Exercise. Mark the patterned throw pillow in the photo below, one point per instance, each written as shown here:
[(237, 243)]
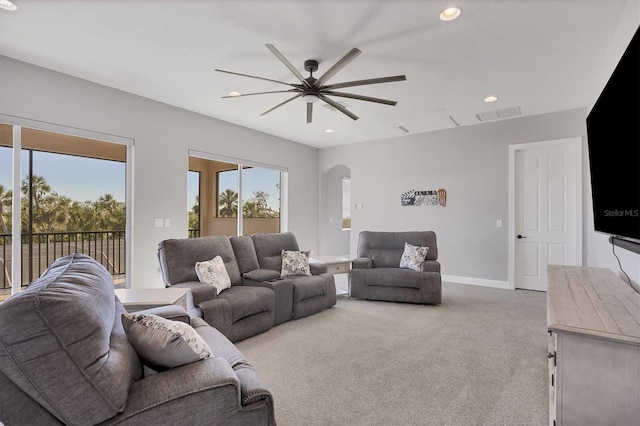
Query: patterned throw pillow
[(413, 257), (214, 273), (295, 263), (162, 343)]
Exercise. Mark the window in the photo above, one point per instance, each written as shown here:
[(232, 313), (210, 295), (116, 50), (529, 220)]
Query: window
[(346, 203)]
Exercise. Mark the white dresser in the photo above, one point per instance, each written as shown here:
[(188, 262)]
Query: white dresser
[(593, 319)]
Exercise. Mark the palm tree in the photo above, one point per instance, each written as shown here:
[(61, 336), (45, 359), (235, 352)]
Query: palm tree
[(228, 203), (6, 196), (39, 190)]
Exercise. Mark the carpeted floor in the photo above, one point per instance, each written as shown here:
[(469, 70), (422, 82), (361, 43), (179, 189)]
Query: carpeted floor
[(479, 358)]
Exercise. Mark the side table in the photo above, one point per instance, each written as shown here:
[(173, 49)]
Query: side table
[(135, 300), (336, 265)]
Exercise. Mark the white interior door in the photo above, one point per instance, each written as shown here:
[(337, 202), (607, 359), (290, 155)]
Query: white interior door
[(547, 227)]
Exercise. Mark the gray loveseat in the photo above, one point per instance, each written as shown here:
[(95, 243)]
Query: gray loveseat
[(376, 274), (66, 359), (259, 297)]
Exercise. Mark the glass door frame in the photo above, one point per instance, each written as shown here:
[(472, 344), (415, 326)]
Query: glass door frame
[(18, 123), (284, 177)]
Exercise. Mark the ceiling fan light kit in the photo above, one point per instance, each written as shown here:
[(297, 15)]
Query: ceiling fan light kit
[(310, 89)]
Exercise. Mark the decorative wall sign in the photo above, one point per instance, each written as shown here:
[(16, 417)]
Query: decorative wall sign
[(424, 198)]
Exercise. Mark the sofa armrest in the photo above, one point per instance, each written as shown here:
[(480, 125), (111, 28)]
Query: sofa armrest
[(195, 393), (431, 266), (317, 268), (200, 291), (171, 312), (217, 313), (361, 263), (260, 275)]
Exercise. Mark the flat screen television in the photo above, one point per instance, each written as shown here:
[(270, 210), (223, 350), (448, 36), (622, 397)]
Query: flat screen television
[(613, 140)]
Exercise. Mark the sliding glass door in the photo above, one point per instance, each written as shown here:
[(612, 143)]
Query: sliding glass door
[(60, 194), (236, 197)]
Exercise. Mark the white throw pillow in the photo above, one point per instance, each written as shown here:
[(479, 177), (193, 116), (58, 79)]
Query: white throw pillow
[(214, 273), (413, 257), (295, 263), (162, 343)]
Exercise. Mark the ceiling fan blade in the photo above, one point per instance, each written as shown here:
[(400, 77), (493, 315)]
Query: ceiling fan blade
[(288, 64), (366, 81), (260, 93), (350, 56), (280, 104), (253, 76), (338, 107), (309, 111), (361, 97)]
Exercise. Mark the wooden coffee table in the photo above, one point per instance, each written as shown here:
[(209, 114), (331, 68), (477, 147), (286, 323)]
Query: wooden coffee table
[(135, 300)]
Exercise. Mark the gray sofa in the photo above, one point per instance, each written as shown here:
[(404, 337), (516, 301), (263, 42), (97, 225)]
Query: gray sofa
[(65, 359), (376, 274), (259, 297), (237, 312)]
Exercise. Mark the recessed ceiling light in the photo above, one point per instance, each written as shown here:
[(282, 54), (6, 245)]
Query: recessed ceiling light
[(328, 130), (233, 93), (491, 98), (450, 13), (8, 5)]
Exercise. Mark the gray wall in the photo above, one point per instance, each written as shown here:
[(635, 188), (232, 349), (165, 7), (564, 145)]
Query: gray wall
[(333, 239), (471, 163), (163, 135)]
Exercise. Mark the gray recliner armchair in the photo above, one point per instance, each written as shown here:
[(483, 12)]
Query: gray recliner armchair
[(311, 293), (65, 358), (376, 274)]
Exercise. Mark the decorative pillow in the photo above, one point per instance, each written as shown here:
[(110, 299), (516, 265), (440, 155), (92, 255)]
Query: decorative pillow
[(214, 273), (162, 343), (295, 263), (413, 257)]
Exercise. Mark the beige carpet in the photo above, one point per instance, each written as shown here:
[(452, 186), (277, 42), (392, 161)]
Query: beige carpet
[(480, 358)]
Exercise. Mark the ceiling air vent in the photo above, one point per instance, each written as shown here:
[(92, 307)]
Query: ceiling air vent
[(499, 113)]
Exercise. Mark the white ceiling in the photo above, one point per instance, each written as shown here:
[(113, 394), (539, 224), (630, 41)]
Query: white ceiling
[(538, 55)]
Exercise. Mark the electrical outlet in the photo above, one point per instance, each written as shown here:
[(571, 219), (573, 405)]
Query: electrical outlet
[(167, 222), (159, 222)]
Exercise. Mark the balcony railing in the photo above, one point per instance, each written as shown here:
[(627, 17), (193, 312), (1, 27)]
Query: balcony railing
[(39, 250)]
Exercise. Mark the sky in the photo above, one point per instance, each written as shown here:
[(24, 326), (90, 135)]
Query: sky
[(79, 178)]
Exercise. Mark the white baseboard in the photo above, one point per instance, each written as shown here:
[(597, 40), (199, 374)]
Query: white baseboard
[(476, 281)]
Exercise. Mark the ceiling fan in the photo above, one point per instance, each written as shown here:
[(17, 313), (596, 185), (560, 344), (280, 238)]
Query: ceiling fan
[(311, 89)]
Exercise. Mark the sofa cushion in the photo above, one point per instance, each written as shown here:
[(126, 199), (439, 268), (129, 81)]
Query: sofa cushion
[(269, 248), (214, 273), (247, 301), (395, 277), (305, 287), (413, 257), (163, 343), (245, 253), (178, 257), (295, 262), (71, 353)]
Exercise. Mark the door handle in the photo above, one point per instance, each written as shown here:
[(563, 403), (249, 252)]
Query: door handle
[(521, 236)]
